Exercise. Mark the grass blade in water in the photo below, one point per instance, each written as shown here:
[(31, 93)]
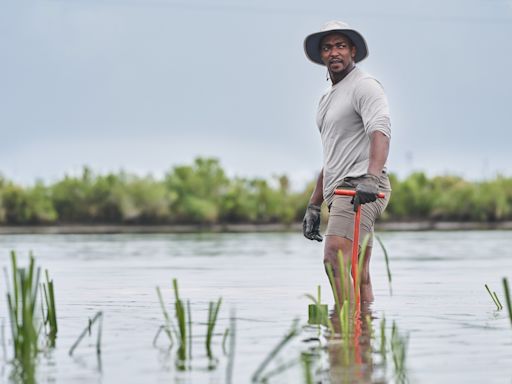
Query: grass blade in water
[(493, 297), (87, 330), (182, 326), (294, 331), (386, 258), (213, 312), (508, 301)]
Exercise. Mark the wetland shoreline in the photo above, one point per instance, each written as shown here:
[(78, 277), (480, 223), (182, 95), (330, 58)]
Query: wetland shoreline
[(75, 229)]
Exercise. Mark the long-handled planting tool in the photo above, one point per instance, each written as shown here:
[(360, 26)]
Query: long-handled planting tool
[(355, 242)]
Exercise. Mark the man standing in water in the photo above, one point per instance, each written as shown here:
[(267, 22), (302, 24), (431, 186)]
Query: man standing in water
[(353, 119)]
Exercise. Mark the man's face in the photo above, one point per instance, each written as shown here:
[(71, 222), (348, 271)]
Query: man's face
[(337, 52)]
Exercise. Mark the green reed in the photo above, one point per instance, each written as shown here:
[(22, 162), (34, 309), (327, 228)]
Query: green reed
[(50, 317), (21, 302), (507, 298), (382, 349), (386, 259), (307, 362), (317, 312), (290, 335), (494, 298), (98, 318), (180, 327), (399, 345), (182, 324), (213, 311), (168, 328)]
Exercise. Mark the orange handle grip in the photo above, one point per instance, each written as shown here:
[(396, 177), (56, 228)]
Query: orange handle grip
[(349, 192)]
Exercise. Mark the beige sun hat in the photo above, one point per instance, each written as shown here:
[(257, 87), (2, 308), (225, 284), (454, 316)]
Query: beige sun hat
[(312, 42)]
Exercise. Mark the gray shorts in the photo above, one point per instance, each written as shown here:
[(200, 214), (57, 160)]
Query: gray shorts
[(342, 215)]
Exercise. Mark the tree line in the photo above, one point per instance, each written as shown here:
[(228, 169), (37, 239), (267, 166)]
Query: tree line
[(202, 193)]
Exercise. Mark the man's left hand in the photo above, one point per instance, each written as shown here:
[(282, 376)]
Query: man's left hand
[(366, 190)]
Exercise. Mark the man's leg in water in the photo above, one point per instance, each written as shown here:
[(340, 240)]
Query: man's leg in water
[(365, 289), (333, 244)]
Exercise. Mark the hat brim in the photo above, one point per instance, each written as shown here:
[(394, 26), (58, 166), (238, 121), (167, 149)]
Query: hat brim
[(312, 44)]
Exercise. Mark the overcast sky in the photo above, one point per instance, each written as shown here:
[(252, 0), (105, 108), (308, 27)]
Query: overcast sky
[(143, 85)]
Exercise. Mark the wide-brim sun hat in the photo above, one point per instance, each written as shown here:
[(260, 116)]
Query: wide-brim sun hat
[(312, 42)]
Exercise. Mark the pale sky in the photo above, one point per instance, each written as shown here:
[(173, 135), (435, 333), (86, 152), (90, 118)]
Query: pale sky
[(143, 85)]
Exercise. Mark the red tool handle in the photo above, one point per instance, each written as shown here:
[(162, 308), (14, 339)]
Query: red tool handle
[(355, 242), (350, 192)]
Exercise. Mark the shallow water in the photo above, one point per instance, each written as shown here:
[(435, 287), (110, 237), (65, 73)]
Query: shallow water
[(438, 299)]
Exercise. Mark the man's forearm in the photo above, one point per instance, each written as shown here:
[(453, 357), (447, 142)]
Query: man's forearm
[(317, 197), (379, 149)]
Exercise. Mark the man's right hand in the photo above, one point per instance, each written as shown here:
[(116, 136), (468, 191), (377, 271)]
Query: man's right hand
[(311, 223)]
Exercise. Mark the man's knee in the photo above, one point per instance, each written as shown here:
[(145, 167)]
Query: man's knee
[(334, 247)]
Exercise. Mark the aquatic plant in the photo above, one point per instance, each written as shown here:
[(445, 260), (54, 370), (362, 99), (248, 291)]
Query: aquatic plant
[(290, 335), (213, 311), (98, 318), (21, 302), (507, 298), (182, 324), (382, 349), (494, 298), (317, 312), (181, 328), (386, 259), (306, 360), (50, 317), (398, 345)]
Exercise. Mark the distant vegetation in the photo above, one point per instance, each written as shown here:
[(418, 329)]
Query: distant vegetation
[(201, 193)]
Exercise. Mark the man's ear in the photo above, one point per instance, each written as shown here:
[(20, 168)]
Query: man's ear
[(353, 51)]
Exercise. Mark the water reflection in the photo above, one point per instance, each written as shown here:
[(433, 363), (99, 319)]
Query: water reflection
[(350, 351), (360, 355)]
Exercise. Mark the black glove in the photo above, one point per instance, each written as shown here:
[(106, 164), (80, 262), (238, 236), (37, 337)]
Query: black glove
[(311, 223), (366, 190)]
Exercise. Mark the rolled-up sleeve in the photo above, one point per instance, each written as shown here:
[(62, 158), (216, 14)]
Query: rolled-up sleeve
[(371, 104)]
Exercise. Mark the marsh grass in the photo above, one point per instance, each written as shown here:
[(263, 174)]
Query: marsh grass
[(386, 259), (21, 302), (213, 312), (399, 344), (182, 325), (50, 316), (307, 363), (494, 298), (258, 376), (507, 298), (97, 319), (318, 313), (178, 329)]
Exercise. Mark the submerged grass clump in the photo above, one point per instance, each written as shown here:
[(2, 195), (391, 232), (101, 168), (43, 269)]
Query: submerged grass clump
[(21, 302), (180, 329), (23, 305)]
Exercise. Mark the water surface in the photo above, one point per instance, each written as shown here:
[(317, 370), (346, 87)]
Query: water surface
[(456, 335)]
